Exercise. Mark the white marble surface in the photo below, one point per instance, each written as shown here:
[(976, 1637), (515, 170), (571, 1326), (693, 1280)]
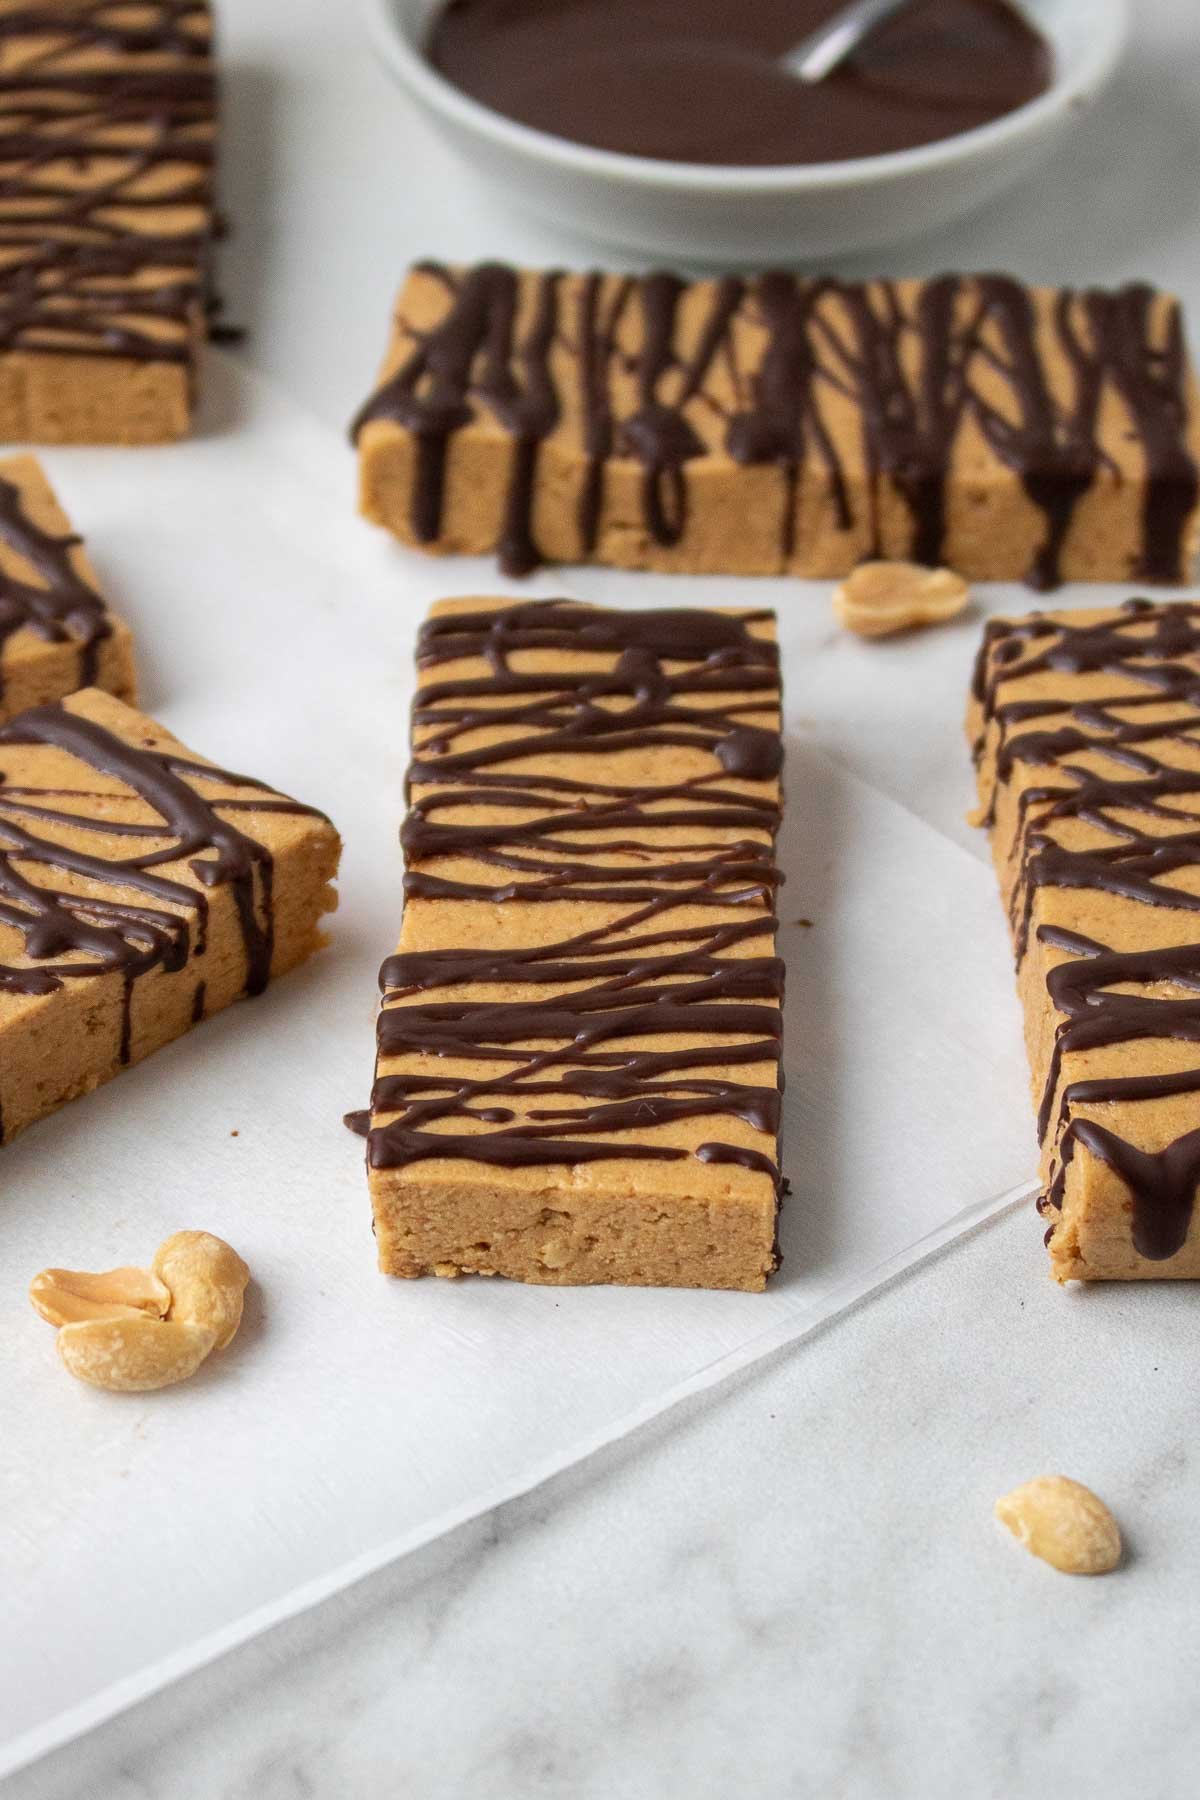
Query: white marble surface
[(794, 1589)]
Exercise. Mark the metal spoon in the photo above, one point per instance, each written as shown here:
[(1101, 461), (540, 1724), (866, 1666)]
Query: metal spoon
[(820, 53)]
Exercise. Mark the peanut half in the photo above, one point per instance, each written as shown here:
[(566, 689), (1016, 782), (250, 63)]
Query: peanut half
[(880, 598), (130, 1330), (64, 1296), (1064, 1523)]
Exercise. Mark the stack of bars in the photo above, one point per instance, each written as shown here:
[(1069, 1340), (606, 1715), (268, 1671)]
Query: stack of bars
[(578, 1067), (1086, 728), (107, 115)]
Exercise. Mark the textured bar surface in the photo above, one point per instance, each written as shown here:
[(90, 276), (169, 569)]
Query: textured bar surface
[(782, 424), (141, 889), (578, 1070), (56, 632), (106, 217), (1087, 733)]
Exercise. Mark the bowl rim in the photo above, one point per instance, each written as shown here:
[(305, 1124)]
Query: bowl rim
[(1110, 25)]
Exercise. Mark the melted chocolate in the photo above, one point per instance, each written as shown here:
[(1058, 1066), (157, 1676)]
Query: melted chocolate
[(70, 935), (919, 377), (1167, 1177), (58, 606), (700, 81), (1155, 649), (606, 994), (78, 277)]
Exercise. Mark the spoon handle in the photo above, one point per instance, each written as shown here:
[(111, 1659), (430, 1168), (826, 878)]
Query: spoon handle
[(819, 54)]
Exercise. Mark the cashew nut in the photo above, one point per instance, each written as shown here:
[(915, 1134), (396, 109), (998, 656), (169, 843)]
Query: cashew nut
[(1064, 1523), (883, 597), (63, 1296), (207, 1279), (130, 1330), (134, 1354)]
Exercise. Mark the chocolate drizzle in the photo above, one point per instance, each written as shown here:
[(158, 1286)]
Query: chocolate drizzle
[(1126, 765), (59, 605), (590, 1039), (71, 907), (94, 260), (968, 354)]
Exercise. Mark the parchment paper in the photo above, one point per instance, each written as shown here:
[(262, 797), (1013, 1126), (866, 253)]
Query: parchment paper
[(356, 1418)]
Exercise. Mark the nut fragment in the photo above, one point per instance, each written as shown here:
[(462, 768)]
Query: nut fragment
[(207, 1279), (1064, 1523), (134, 1354), (882, 597), (63, 1296)]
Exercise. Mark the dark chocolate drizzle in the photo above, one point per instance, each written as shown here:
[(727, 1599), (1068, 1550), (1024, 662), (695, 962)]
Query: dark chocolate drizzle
[(96, 266), (59, 605), (918, 374), (1152, 654), (605, 995), (68, 935)]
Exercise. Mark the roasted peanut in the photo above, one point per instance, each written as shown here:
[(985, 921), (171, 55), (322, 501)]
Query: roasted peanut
[(65, 1296), (207, 1279), (1064, 1523), (134, 1354), (883, 597), (130, 1330)]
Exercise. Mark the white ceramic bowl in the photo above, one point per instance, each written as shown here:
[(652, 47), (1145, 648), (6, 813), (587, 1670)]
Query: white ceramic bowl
[(694, 213)]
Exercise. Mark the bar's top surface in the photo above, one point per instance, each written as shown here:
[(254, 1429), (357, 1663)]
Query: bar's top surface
[(106, 154), (901, 379), (47, 591), (112, 837), (586, 971), (1094, 716)]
